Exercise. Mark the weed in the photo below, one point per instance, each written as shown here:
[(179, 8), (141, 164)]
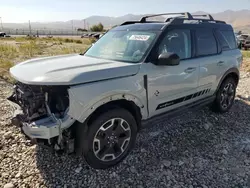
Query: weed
[(8, 51), (4, 69), (78, 41), (30, 49), (246, 54), (68, 40)]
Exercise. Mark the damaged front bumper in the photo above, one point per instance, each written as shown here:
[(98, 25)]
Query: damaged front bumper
[(45, 128)]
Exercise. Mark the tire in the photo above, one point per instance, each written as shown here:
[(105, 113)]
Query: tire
[(224, 101), (100, 148)]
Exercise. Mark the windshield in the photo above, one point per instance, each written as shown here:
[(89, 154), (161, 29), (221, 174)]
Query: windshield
[(127, 46)]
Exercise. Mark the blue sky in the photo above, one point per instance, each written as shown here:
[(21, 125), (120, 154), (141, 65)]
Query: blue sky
[(63, 10)]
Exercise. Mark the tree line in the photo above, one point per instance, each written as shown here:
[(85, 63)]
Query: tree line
[(95, 28)]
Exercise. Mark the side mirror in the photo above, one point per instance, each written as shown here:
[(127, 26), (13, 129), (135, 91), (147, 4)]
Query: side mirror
[(168, 58)]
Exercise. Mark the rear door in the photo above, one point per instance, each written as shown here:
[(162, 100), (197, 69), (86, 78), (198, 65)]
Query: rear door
[(230, 53), (209, 57)]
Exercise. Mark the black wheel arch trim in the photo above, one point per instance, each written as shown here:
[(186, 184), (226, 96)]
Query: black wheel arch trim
[(229, 71)]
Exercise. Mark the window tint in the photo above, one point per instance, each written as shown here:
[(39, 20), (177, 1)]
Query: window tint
[(206, 42), (177, 41), (227, 39)]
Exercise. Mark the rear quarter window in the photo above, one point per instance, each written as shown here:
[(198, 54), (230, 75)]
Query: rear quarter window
[(205, 42), (226, 39)]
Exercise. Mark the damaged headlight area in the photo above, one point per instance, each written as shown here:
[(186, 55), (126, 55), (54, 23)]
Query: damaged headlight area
[(42, 113), (39, 102)]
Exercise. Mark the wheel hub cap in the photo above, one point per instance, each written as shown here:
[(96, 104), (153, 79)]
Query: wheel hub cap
[(112, 139), (227, 95)]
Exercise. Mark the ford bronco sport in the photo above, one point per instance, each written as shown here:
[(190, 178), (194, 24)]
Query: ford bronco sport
[(141, 71)]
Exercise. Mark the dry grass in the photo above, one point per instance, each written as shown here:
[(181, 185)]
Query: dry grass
[(14, 50), (246, 54), (246, 61)]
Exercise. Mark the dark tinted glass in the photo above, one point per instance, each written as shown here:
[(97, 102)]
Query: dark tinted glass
[(227, 39), (206, 42)]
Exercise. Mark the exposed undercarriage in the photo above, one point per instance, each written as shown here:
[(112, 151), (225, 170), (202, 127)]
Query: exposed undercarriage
[(44, 108)]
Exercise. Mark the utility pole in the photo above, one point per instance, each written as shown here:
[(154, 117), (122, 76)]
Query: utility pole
[(72, 26), (1, 23), (29, 27), (88, 26)]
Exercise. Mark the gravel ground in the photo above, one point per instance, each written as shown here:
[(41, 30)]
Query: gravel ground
[(199, 149)]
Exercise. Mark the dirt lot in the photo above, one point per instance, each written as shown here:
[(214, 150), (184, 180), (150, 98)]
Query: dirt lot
[(197, 149)]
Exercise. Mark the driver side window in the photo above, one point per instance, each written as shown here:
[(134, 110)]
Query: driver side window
[(177, 41)]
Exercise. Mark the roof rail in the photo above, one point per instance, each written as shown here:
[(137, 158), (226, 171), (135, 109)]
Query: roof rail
[(184, 14), (204, 15), (178, 19)]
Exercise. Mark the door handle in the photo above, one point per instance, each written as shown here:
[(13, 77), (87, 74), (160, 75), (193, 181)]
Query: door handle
[(220, 63), (190, 69)]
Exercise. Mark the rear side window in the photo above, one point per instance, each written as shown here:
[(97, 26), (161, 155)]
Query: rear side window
[(227, 39), (205, 42)]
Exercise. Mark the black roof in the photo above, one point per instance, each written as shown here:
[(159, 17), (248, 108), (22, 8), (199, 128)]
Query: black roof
[(184, 20), (141, 27)]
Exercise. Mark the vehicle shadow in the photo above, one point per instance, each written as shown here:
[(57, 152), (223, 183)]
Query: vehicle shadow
[(197, 148)]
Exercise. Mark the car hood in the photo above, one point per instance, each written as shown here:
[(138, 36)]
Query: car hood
[(70, 70)]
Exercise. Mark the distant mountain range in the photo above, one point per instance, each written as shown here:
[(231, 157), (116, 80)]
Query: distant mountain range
[(239, 19)]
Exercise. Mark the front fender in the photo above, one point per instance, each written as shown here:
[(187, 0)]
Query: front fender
[(84, 99)]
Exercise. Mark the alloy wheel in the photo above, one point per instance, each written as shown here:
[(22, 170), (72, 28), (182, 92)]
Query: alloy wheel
[(111, 139), (227, 95)]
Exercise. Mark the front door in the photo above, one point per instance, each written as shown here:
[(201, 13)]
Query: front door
[(172, 86)]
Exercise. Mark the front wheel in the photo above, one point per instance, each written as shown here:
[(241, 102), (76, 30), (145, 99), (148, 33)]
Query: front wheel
[(109, 138), (225, 96)]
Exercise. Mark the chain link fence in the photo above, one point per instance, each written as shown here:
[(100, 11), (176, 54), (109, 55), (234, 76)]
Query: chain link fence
[(44, 32)]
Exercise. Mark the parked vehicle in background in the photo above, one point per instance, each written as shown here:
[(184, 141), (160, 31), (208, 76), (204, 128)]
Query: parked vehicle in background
[(2, 34), (85, 35), (140, 72), (242, 39), (239, 43), (246, 43)]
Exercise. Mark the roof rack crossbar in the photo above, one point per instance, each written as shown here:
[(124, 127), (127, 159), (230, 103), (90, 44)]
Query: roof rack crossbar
[(182, 16), (204, 15), (185, 14), (179, 20)]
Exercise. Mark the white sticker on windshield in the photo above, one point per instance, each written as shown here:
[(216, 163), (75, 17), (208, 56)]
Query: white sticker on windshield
[(139, 37)]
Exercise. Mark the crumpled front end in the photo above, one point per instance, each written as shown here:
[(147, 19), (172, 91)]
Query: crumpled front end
[(41, 111)]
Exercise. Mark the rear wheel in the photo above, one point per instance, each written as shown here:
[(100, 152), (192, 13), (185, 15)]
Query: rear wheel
[(109, 138), (225, 96)]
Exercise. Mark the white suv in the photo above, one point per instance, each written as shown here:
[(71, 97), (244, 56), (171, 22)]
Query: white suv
[(94, 103)]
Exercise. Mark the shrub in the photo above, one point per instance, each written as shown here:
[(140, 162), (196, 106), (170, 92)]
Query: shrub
[(97, 28), (78, 41), (69, 40)]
